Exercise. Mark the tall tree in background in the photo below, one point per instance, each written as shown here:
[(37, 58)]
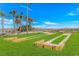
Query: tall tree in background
[(17, 21), (28, 25), (13, 12), (26, 17), (30, 21), (2, 21), (21, 16)]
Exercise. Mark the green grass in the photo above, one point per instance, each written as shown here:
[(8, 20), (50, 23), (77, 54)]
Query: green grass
[(72, 46), (23, 35), (57, 41), (24, 48), (49, 37), (27, 48)]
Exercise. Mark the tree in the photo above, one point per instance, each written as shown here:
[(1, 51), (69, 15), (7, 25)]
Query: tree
[(2, 21), (21, 16), (28, 25), (17, 21), (13, 12), (29, 21), (26, 19)]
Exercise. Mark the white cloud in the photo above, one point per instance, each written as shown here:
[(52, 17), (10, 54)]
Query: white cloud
[(39, 26), (46, 24), (75, 22), (35, 22), (49, 23), (23, 6), (71, 14), (7, 21), (69, 24)]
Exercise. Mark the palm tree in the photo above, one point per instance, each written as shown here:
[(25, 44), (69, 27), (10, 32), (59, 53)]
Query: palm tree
[(13, 12), (29, 20), (2, 21), (26, 19), (17, 21), (21, 16)]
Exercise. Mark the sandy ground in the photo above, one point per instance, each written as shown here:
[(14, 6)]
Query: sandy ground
[(48, 33), (15, 39)]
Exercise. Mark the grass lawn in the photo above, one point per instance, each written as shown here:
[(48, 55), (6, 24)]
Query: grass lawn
[(49, 37), (57, 41), (72, 46), (26, 48)]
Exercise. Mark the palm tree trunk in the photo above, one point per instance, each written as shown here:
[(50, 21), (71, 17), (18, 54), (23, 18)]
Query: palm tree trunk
[(20, 26), (27, 18), (17, 29), (2, 23), (14, 23), (29, 25)]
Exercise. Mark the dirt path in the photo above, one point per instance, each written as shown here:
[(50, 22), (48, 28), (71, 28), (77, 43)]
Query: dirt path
[(48, 33)]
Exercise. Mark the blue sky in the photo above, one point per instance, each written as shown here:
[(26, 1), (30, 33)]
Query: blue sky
[(6, 7), (54, 15), (45, 15)]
